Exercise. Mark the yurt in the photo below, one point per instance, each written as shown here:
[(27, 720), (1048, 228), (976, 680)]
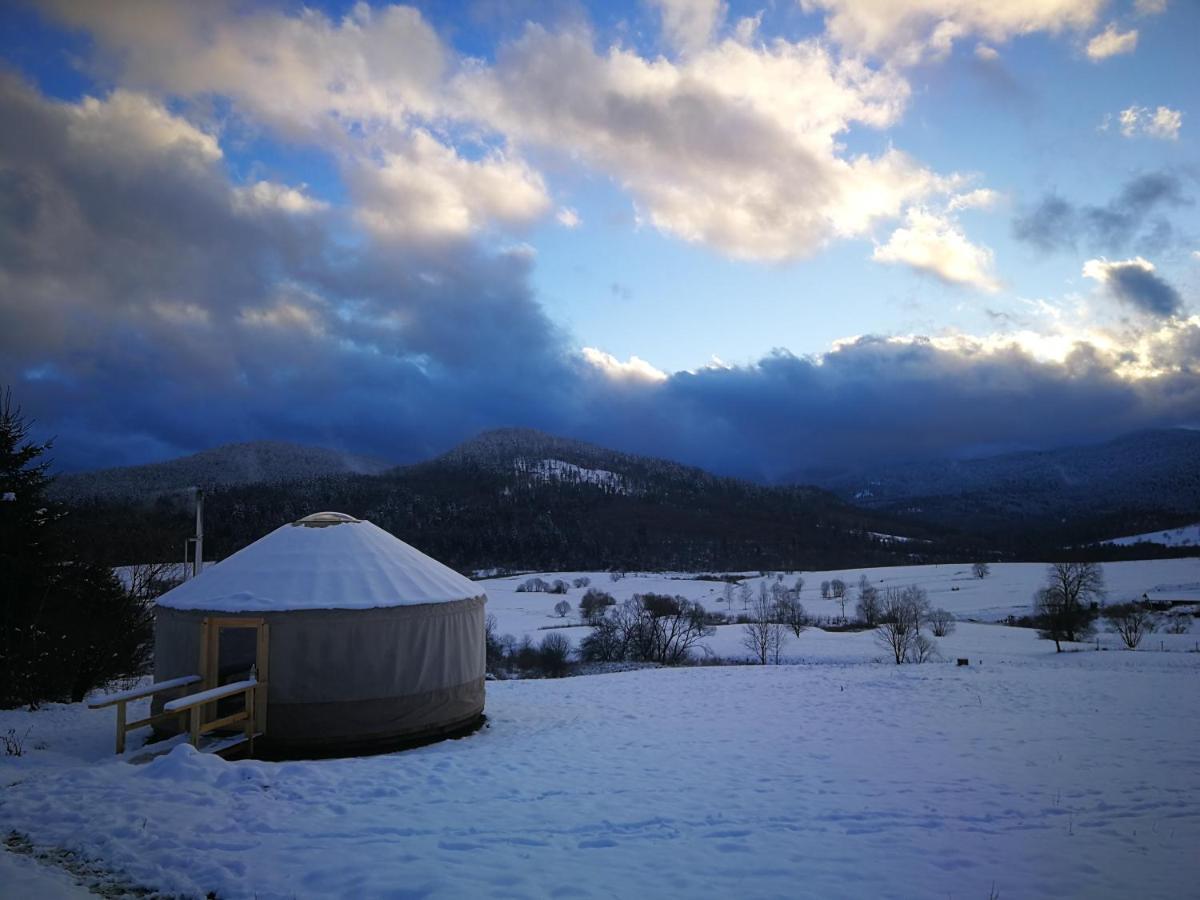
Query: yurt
[(372, 644)]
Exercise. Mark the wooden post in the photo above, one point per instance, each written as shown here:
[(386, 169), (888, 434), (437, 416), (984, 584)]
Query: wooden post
[(196, 714), (120, 727), (251, 724), (262, 666)]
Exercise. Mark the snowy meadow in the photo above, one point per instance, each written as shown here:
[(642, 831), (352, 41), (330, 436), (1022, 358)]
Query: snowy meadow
[(1027, 773)]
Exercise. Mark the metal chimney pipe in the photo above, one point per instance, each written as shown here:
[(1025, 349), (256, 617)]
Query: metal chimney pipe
[(198, 556)]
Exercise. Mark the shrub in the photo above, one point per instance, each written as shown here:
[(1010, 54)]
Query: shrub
[(561, 608), (594, 604), (553, 654), (534, 586), (582, 582), (1132, 622), (921, 649), (1177, 623), (559, 587), (941, 622)]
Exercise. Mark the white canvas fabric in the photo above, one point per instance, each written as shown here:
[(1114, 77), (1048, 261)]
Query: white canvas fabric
[(324, 561)]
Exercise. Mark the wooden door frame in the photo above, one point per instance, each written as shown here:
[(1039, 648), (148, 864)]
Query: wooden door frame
[(210, 659)]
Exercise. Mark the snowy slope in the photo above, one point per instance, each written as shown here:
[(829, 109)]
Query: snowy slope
[(1187, 536), (1044, 777)]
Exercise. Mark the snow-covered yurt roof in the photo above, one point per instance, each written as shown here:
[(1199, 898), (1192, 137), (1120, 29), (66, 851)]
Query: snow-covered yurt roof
[(323, 561)]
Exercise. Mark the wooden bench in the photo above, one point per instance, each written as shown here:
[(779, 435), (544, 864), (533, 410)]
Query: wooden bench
[(124, 697)]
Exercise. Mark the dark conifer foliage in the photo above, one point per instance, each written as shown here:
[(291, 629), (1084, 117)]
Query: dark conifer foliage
[(66, 625)]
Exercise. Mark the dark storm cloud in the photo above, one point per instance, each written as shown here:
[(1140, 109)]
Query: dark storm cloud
[(876, 400), (148, 311), (146, 307), (1139, 287), (1131, 218)]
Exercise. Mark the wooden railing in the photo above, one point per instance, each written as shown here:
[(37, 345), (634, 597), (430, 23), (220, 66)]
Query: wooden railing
[(194, 704), (124, 697)]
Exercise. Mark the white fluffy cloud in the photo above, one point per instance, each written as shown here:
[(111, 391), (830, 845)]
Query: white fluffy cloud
[(301, 73), (1111, 42), (1163, 123), (936, 245), (424, 189), (720, 148), (635, 370), (907, 30), (568, 217), (270, 195)]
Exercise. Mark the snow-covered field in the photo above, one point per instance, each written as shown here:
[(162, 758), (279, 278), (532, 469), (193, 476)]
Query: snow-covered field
[(1026, 774), (1008, 590)]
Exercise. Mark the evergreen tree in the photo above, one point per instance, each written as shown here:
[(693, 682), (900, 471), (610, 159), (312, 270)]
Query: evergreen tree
[(66, 626)]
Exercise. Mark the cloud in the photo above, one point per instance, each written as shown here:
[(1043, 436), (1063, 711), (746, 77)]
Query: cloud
[(636, 369), (1134, 216), (717, 149), (272, 196), (909, 30), (125, 342), (303, 74), (1111, 42), (689, 24), (122, 334), (568, 217), (934, 244), (1135, 283), (425, 189), (1150, 7), (986, 54), (1163, 123)]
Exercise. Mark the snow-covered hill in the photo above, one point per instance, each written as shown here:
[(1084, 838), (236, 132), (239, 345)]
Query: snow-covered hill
[(1187, 536), (259, 462)]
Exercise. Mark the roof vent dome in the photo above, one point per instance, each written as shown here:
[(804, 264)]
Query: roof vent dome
[(322, 519)]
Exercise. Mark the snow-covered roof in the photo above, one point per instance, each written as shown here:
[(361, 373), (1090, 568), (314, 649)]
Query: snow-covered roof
[(323, 561)]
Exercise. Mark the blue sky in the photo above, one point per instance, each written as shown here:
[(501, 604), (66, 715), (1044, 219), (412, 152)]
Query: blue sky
[(744, 235)]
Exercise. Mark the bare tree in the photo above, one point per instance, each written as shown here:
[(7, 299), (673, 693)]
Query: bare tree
[(900, 621), (1066, 607), (798, 586), (762, 635), (837, 587), (744, 594), (729, 591), (149, 580), (824, 590), (561, 608), (867, 608), (941, 622), (790, 613), (980, 569), (582, 581), (1132, 621)]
